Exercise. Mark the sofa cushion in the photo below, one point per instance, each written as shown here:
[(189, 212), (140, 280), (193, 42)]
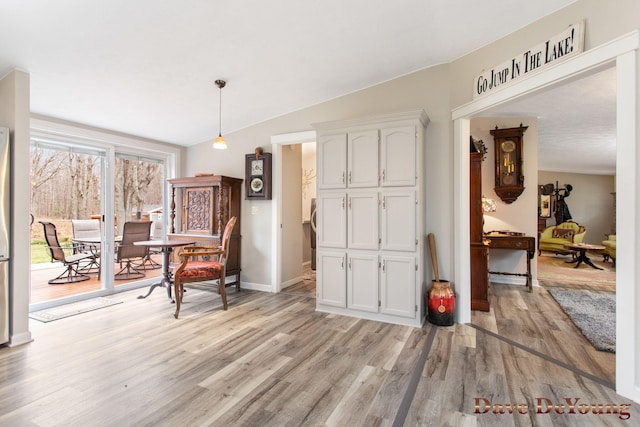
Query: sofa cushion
[(571, 225), (554, 242), (564, 233)]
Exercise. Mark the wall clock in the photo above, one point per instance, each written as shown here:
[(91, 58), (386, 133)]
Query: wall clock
[(509, 180), (258, 175)]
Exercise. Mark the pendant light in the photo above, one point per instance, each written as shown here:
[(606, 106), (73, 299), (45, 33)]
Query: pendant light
[(220, 143)]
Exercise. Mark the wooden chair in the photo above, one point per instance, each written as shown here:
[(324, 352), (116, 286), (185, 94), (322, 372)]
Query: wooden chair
[(133, 231), (57, 252), (203, 263)]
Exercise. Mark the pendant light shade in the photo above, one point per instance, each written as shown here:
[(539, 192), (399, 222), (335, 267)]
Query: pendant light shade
[(219, 142)]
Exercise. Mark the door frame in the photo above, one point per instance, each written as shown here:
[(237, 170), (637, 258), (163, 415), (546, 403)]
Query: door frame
[(277, 142), (111, 144), (621, 53)]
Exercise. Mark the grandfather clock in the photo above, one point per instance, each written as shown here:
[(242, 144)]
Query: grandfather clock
[(509, 180)]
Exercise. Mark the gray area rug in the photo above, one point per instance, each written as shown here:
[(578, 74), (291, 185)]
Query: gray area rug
[(60, 312), (593, 313)]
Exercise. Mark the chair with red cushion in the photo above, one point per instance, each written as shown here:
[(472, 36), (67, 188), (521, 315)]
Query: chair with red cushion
[(203, 263)]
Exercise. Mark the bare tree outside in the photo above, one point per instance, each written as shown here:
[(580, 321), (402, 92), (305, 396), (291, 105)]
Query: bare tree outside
[(138, 183), (66, 185), (45, 166)]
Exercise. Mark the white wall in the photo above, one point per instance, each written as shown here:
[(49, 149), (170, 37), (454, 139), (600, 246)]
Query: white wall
[(426, 89), (605, 21), (292, 236), (590, 201), (14, 114)]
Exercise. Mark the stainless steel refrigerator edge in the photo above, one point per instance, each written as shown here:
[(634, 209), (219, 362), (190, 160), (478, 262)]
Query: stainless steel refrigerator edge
[(5, 224)]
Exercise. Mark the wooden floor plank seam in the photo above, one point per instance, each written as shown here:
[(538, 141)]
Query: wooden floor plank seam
[(403, 410), (545, 357)]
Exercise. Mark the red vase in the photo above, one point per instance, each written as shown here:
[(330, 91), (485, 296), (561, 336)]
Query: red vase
[(441, 303)]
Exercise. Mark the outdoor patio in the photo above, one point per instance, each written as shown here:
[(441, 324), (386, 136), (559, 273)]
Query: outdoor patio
[(42, 291)]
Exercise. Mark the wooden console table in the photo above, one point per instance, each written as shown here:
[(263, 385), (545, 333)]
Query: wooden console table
[(514, 242)]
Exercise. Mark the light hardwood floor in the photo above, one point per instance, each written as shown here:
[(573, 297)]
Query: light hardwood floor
[(272, 360)]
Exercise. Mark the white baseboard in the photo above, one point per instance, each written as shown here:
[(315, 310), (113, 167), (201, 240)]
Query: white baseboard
[(19, 339), (306, 263), (291, 282), (507, 280), (256, 287)]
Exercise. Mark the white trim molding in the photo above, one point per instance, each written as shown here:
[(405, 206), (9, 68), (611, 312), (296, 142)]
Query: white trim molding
[(623, 54), (277, 141)]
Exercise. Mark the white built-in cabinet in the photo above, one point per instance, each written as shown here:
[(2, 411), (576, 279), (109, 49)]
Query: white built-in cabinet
[(370, 217)]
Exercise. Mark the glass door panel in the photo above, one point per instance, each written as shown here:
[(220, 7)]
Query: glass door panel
[(137, 198), (66, 182)]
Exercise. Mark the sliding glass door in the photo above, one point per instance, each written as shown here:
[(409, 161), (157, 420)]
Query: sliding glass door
[(66, 202), (88, 190), (137, 198)]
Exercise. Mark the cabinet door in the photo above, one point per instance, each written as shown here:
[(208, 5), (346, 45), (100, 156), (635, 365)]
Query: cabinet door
[(331, 219), (198, 210), (398, 286), (398, 161), (399, 220), (362, 158), (332, 161), (362, 222), (362, 282), (331, 278)]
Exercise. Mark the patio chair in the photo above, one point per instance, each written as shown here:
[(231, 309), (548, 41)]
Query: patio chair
[(148, 263), (85, 228), (86, 238), (133, 231), (57, 252), (203, 263)]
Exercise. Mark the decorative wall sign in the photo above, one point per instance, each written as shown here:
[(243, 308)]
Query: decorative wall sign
[(559, 47)]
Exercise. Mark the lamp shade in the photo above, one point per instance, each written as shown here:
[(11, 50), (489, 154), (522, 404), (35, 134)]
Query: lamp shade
[(488, 205), (220, 143)]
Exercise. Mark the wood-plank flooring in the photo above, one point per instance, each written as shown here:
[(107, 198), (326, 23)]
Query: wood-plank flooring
[(272, 360)]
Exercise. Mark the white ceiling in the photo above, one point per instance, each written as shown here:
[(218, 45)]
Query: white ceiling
[(147, 67), (576, 124)]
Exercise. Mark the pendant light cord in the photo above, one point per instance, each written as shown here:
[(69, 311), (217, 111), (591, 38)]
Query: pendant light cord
[(220, 113)]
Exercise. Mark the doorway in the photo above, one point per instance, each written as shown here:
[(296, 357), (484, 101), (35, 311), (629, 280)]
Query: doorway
[(289, 180), (622, 52), (561, 121), (73, 187)]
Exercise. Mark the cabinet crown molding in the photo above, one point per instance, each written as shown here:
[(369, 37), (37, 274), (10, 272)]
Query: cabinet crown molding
[(375, 120)]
